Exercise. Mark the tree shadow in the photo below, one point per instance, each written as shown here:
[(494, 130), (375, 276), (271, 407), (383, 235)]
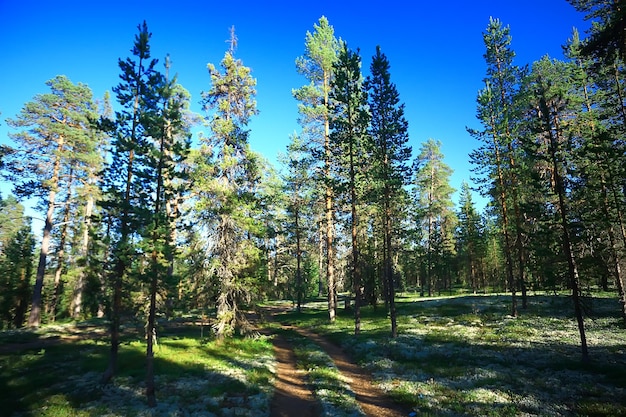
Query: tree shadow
[(468, 352), (65, 376)]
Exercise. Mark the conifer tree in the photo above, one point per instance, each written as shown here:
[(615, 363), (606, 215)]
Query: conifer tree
[(321, 48), (608, 35), (126, 198), (298, 191), (553, 107), (17, 245), (433, 192), (89, 193), (497, 159), (165, 128), (469, 237), (54, 141), (389, 134), (226, 182), (348, 122), (600, 158)]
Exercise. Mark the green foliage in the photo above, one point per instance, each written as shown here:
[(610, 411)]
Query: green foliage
[(227, 174), (390, 172), (435, 214), (17, 245)]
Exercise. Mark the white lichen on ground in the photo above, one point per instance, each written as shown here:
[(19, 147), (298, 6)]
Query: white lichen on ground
[(471, 361)]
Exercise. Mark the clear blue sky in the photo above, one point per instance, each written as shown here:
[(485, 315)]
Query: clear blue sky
[(435, 50)]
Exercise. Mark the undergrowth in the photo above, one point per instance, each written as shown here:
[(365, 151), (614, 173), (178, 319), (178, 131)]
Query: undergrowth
[(466, 356)]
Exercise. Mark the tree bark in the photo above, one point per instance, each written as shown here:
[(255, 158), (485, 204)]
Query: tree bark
[(58, 272), (34, 320), (328, 197), (553, 132)]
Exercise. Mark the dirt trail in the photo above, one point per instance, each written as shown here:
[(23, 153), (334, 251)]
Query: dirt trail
[(292, 397), (373, 401)]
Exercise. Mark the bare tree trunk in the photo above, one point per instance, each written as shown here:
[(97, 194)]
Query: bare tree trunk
[(320, 266), (34, 320), (505, 222), (151, 334), (567, 243), (61, 251), (356, 270), (77, 297), (391, 291), (299, 285)]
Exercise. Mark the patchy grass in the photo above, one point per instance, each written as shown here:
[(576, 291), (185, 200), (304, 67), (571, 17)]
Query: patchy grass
[(194, 377), (328, 385), (466, 356)]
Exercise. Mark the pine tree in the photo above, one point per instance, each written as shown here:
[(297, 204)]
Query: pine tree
[(470, 245), (553, 107), (126, 198), (89, 192), (389, 133), (316, 65), (433, 193), (298, 191), (55, 137), (498, 157), (165, 127), (601, 157), (226, 183), (608, 35), (348, 121), (16, 262)]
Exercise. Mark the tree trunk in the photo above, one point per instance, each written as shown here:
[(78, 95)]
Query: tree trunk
[(299, 286), (77, 297), (320, 266), (505, 222), (34, 320), (356, 270), (567, 243), (389, 270), (151, 333), (58, 272), (330, 265)]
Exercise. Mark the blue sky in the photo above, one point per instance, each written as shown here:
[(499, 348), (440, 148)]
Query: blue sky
[(435, 50)]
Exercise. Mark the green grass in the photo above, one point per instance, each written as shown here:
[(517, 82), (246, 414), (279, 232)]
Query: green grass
[(193, 375), (324, 379), (465, 355), (461, 355)]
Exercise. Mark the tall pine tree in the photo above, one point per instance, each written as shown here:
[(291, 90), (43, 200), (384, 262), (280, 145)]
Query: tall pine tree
[(321, 48), (54, 140), (127, 200), (348, 122), (226, 179), (389, 133)]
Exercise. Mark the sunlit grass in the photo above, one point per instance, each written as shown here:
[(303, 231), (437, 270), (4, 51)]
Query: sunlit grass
[(328, 385), (465, 355), (194, 376)]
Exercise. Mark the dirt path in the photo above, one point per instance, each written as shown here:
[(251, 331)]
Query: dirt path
[(373, 401), (292, 397)]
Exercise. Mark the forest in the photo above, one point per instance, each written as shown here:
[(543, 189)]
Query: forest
[(145, 222)]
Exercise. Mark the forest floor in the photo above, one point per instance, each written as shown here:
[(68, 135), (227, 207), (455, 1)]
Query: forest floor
[(294, 398), (292, 394), (454, 356)]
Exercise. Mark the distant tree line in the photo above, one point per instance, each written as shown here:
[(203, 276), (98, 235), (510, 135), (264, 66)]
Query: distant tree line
[(138, 223)]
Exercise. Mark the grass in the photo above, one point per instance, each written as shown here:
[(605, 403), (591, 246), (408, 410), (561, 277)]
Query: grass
[(465, 356), (328, 385), (454, 356), (194, 377)]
